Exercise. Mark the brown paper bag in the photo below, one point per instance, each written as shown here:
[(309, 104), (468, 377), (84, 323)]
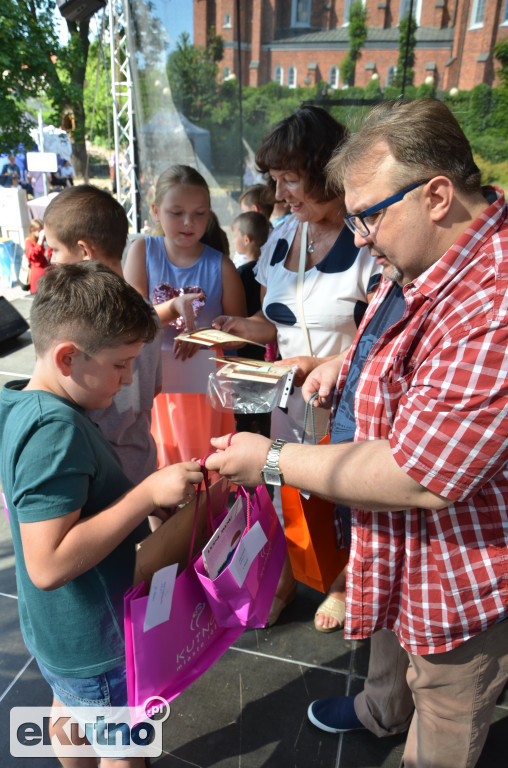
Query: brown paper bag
[(171, 541)]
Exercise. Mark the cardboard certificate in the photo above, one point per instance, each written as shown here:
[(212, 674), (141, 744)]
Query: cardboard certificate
[(221, 547), (211, 337), (253, 370)]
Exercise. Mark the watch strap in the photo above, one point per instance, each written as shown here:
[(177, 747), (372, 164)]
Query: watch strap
[(271, 466)]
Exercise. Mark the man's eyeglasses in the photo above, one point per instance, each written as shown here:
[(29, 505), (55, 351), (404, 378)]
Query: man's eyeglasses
[(356, 221)]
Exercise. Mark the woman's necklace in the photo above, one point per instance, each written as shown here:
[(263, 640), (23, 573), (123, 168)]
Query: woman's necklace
[(311, 240)]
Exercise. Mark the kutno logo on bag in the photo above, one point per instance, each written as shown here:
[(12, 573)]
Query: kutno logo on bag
[(88, 731), (204, 626)]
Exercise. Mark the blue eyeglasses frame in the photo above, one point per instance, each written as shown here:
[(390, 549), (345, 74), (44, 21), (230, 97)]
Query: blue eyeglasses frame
[(355, 221)]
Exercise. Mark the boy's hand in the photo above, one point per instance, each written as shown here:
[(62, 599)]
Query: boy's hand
[(175, 485), (62, 548)]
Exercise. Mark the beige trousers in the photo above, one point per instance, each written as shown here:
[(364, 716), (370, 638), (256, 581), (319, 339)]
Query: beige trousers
[(385, 706), (454, 694)]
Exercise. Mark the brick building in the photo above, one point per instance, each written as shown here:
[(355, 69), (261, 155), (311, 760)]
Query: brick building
[(302, 42)]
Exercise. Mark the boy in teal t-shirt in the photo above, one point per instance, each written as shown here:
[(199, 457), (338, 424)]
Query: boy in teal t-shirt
[(74, 516)]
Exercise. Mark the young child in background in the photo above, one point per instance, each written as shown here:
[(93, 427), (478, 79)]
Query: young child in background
[(189, 283), (259, 198), (36, 252), (75, 517), (84, 223), (250, 232)]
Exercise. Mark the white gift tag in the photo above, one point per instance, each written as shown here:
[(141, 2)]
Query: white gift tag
[(160, 598), (248, 549)]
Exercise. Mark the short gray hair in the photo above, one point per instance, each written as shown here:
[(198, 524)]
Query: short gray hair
[(422, 135)]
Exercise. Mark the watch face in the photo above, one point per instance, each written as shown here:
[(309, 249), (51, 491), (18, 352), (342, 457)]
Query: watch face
[(272, 477)]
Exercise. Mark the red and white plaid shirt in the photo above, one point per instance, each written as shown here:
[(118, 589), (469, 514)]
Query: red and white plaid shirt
[(436, 386)]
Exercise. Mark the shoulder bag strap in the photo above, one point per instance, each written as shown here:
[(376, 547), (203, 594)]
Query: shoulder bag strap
[(299, 288)]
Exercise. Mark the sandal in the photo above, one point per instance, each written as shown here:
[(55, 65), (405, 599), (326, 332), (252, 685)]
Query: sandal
[(333, 607), (278, 605)]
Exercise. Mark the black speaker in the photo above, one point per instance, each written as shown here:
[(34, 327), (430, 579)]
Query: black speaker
[(79, 10), (12, 324)]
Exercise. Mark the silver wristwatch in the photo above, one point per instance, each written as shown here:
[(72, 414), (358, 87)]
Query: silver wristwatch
[(271, 473)]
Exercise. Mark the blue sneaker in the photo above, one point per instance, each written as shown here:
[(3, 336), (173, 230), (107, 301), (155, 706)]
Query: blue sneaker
[(334, 715)]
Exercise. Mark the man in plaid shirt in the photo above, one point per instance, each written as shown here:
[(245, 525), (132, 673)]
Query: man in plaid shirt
[(423, 393)]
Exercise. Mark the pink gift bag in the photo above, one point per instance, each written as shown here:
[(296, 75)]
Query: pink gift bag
[(165, 660), (242, 594)]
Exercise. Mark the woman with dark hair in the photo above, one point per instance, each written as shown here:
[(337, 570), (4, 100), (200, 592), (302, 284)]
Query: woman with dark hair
[(314, 281)]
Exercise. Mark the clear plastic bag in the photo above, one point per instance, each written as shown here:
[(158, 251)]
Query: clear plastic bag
[(248, 392)]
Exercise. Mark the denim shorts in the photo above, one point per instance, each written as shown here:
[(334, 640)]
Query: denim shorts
[(106, 692)]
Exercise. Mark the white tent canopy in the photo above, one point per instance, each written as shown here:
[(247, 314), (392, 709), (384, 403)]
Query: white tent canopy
[(173, 128), (55, 140)]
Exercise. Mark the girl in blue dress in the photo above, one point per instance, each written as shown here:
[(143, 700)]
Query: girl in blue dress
[(189, 283)]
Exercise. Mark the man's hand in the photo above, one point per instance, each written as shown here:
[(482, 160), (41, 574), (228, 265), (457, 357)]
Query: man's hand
[(363, 475), (304, 367), (323, 380), (243, 460)]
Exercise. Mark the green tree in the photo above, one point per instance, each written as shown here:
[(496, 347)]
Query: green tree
[(407, 41), (501, 54), (192, 74), (68, 86), (97, 95), (357, 31), (29, 41), (35, 64)]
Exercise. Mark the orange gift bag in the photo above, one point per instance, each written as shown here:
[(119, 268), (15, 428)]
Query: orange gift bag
[(309, 523)]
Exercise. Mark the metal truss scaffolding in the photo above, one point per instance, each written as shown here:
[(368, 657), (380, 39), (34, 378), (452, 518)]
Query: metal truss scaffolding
[(123, 113)]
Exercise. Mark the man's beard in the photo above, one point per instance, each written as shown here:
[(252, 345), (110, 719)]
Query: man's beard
[(393, 273)]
